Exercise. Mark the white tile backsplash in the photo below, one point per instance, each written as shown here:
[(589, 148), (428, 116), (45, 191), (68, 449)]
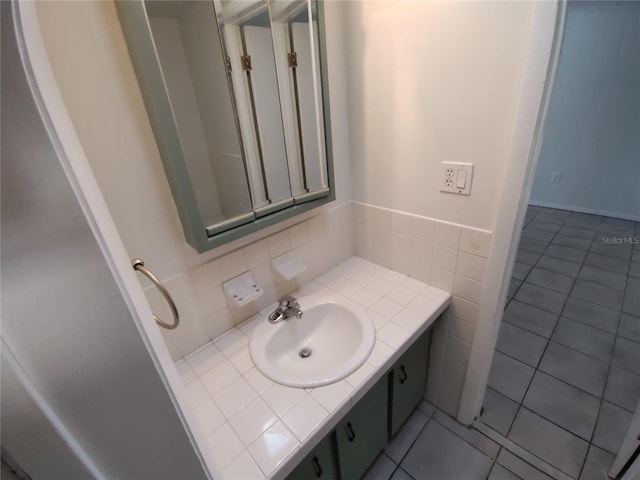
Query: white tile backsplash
[(321, 242), (467, 289), (233, 264), (474, 241), (257, 253), (420, 250), (447, 234), (442, 254), (401, 223), (444, 258), (471, 266), (279, 244), (422, 228), (464, 309)]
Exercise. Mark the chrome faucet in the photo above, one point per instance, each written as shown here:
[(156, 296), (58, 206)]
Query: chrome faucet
[(288, 306)]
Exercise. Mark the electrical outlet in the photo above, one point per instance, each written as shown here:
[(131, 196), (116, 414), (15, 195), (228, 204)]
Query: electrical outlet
[(457, 177), (449, 175)]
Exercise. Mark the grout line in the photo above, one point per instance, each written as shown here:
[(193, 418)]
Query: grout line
[(568, 295), (609, 366), (461, 437), (521, 453), (544, 351)]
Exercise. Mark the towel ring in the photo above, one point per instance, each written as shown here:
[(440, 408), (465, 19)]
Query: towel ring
[(138, 264)]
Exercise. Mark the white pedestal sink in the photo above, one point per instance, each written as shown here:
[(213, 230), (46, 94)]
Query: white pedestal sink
[(331, 340)]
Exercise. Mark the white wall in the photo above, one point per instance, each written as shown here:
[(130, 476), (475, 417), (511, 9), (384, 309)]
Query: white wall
[(89, 393), (592, 134), (432, 82), (91, 63)]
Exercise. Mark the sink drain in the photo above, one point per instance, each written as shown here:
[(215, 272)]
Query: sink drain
[(305, 353)]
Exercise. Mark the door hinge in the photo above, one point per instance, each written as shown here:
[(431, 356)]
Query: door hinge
[(293, 59), (246, 62), (227, 63)]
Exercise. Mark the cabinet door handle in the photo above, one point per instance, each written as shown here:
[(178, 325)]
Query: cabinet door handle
[(403, 376), (351, 435), (316, 467)]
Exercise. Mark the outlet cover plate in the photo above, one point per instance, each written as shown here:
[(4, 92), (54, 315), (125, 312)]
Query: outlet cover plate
[(456, 177)]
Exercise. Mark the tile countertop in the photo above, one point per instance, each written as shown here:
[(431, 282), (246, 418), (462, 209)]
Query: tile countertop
[(259, 429)]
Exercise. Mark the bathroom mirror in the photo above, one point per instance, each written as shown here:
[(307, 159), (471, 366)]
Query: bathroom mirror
[(236, 92)]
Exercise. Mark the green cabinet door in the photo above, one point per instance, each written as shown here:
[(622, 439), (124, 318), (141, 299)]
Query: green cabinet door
[(362, 433), (408, 381), (320, 463)]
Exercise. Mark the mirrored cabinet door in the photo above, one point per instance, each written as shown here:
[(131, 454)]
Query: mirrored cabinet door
[(236, 94), (246, 30), (193, 67), (295, 37)]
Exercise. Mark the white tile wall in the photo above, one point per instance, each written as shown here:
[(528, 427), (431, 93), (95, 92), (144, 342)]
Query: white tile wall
[(321, 242), (421, 250), (448, 256)]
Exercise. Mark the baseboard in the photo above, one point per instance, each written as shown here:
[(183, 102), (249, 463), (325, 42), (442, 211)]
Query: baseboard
[(591, 211)]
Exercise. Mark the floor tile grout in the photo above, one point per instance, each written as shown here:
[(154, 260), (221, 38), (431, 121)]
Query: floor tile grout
[(597, 231)]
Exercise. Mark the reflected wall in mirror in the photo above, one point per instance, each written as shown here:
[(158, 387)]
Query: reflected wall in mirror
[(236, 95), (192, 63)]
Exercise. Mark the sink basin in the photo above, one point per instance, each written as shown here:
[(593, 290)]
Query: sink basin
[(331, 340)]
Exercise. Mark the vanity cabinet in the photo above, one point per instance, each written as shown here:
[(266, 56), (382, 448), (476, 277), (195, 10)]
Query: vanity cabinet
[(320, 463), (362, 433), (407, 382), (350, 449)]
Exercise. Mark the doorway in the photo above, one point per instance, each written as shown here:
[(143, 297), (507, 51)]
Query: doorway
[(565, 379)]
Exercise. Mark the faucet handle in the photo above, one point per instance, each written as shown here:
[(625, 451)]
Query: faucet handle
[(287, 300)]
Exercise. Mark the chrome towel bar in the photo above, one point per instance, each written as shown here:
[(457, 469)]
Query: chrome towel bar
[(138, 264)]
